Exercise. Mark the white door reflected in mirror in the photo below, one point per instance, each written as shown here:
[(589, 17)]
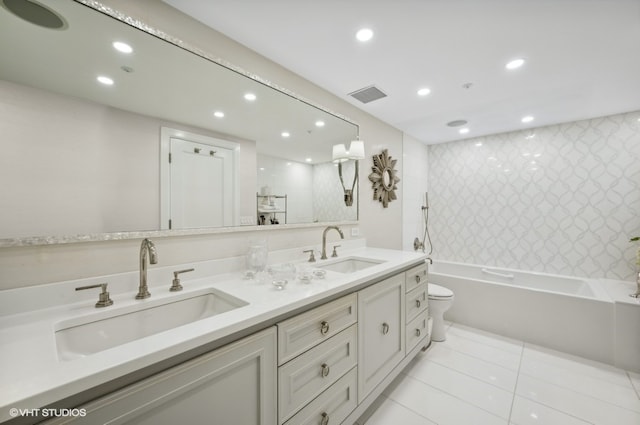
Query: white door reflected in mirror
[(199, 197), (199, 176)]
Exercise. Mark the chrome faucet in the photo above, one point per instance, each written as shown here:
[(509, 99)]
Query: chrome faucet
[(324, 240), (147, 247)]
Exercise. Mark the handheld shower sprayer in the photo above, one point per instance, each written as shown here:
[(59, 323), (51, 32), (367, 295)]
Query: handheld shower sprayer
[(417, 244)]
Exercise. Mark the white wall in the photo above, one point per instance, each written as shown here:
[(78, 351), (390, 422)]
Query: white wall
[(560, 199), (100, 176), (382, 227), (415, 184)]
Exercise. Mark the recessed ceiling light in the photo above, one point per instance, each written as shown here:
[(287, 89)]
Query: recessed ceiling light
[(526, 119), (122, 47), (285, 134), (105, 80), (364, 34), (319, 123), (478, 144), (250, 97), (308, 159), (515, 64), (218, 114), (463, 130), (424, 91), (261, 168)]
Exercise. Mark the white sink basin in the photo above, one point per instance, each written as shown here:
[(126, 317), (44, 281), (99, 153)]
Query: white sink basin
[(349, 264), (80, 337)]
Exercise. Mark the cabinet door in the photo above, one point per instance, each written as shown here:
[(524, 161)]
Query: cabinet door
[(381, 332), (232, 385)]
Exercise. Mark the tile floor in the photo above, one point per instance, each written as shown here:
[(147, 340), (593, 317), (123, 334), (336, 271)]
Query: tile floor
[(477, 378)]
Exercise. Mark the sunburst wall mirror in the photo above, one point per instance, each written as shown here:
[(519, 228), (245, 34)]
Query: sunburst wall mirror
[(384, 178)]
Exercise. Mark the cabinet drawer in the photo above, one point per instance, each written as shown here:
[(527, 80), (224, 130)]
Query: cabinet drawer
[(417, 301), (306, 376), (415, 276), (300, 333), (332, 406), (417, 330)]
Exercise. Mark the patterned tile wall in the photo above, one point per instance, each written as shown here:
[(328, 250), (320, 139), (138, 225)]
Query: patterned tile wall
[(328, 196), (560, 199)]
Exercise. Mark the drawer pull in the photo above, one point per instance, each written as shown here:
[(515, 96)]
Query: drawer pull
[(385, 328), (324, 327), (325, 370), (325, 419), (418, 303), (417, 278), (418, 333)]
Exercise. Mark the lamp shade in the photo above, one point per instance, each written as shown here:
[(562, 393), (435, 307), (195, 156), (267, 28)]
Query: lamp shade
[(356, 149), (339, 153)]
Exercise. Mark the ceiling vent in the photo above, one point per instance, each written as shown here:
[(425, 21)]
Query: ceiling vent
[(368, 94)]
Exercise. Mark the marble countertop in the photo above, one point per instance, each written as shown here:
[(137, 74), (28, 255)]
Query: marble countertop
[(33, 376)]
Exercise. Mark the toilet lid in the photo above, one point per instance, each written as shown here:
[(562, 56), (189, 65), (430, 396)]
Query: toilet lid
[(437, 291)]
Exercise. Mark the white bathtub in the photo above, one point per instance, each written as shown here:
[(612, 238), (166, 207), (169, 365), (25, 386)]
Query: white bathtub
[(573, 315)]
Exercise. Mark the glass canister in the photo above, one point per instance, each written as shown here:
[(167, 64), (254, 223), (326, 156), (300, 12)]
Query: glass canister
[(257, 256)]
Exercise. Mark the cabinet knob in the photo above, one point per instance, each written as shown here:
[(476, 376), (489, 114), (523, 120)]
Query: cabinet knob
[(417, 279), (418, 332), (324, 327), (418, 303), (325, 370), (385, 328), (325, 419)]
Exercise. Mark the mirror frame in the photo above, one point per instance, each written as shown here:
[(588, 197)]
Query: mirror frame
[(112, 236), (384, 178)]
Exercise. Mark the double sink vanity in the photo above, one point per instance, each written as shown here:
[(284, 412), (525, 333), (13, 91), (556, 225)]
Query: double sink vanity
[(225, 348)]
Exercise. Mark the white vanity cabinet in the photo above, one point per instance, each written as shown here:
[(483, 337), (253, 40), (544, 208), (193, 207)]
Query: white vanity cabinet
[(381, 336), (325, 365), (232, 385)]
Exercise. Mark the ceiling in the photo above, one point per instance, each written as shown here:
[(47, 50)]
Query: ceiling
[(582, 56)]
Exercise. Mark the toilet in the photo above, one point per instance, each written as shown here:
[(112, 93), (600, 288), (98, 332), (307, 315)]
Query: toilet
[(440, 300)]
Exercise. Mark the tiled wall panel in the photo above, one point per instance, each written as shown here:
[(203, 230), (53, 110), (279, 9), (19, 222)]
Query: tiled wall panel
[(559, 199)]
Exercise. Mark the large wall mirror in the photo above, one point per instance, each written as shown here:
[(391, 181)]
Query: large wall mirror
[(88, 132)]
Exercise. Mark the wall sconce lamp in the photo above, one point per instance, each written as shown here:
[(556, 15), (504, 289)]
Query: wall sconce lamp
[(340, 155)]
